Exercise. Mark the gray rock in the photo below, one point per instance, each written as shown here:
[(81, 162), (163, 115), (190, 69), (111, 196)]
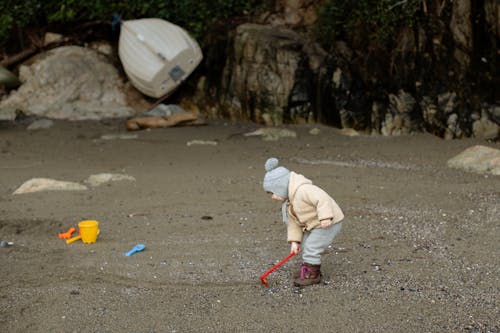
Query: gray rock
[(272, 133), (47, 184), (479, 159), (102, 178), (69, 82), (262, 77), (5, 243), (201, 142), (314, 131), (40, 124), (119, 136)]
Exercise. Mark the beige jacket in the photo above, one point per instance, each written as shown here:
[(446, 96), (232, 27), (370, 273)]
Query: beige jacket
[(307, 206)]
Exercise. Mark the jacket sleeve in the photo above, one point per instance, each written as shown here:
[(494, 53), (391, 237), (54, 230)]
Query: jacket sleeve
[(294, 230), (326, 207)]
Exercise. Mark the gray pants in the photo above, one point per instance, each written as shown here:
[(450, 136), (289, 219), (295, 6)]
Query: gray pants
[(315, 242)]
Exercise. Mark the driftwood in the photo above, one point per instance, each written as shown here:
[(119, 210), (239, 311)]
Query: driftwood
[(25, 54), (17, 58), (37, 44), (178, 119)]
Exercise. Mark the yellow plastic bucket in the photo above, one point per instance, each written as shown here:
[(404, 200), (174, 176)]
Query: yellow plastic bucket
[(89, 229)]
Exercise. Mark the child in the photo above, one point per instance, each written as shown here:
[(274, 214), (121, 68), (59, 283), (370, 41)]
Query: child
[(313, 218)]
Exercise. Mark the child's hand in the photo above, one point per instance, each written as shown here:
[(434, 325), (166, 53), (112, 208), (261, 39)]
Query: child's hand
[(326, 223), (295, 248)]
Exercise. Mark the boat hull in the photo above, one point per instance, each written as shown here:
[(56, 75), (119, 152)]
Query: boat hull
[(157, 55)]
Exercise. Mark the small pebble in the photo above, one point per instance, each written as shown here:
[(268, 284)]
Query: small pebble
[(273, 290), (4, 243)]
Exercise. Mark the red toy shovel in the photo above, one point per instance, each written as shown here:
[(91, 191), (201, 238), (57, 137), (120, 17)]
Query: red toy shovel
[(263, 276)]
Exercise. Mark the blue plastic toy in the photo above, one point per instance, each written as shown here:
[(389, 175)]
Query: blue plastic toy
[(137, 248)]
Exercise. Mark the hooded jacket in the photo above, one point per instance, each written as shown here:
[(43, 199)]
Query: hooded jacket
[(307, 206)]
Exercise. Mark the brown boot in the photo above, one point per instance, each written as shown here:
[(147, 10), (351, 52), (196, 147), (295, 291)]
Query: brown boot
[(309, 274)]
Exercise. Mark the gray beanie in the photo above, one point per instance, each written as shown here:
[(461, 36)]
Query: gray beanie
[(276, 178)]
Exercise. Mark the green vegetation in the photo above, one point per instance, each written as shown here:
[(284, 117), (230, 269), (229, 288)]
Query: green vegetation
[(360, 21), (365, 21), (196, 16)]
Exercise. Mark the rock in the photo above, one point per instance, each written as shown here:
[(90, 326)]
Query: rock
[(493, 112), (5, 243), (314, 131), (485, 128), (119, 136), (272, 133), (47, 184), (453, 128), (268, 76), (40, 124), (440, 115), (349, 132), (402, 117), (430, 112), (479, 159), (52, 37), (102, 47), (447, 102), (102, 178), (69, 82), (201, 142)]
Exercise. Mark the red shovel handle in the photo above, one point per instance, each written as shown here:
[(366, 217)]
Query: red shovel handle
[(263, 276)]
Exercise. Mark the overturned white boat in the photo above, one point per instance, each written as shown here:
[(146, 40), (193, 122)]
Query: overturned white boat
[(157, 55)]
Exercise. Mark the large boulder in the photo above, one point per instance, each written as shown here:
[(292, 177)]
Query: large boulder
[(267, 78), (69, 82)]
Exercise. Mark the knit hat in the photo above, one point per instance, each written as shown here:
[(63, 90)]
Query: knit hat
[(276, 178)]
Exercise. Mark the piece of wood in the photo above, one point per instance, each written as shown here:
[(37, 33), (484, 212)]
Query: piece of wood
[(177, 119)]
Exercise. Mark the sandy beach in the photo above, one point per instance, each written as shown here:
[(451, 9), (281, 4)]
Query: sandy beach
[(418, 252)]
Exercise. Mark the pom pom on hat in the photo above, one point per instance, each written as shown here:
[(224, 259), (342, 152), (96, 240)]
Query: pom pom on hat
[(276, 178), (271, 163)]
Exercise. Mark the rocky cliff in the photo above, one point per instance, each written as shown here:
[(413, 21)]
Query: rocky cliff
[(440, 75)]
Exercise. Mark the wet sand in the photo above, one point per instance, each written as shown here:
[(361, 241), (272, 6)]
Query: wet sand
[(418, 251)]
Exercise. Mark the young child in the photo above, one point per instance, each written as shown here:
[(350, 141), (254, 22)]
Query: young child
[(313, 218)]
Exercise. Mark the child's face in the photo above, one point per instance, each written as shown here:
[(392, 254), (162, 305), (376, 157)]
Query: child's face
[(276, 197)]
